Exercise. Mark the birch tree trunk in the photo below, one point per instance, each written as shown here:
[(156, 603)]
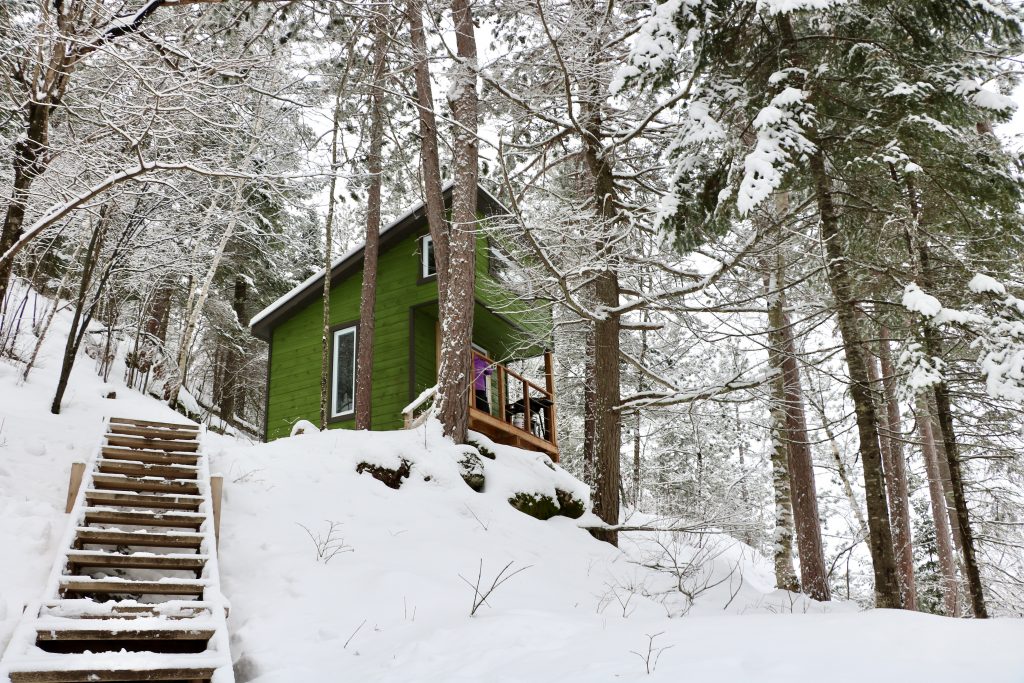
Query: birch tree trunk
[(199, 301), (454, 374), (368, 298), (896, 475)]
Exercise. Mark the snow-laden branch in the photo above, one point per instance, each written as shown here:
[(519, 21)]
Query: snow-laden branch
[(678, 396), (59, 211), (695, 288)]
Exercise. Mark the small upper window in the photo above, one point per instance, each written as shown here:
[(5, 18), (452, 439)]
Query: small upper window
[(428, 268)]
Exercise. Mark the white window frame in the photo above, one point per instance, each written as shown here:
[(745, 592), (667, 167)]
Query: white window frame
[(335, 336), (425, 273)]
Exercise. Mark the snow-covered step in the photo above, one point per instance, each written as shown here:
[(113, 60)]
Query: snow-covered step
[(117, 537), (137, 560), (118, 586), (139, 442), (180, 520), (84, 610), (114, 666), (153, 432), (157, 501), (143, 469), (120, 482), (150, 423), (146, 487), (155, 457)]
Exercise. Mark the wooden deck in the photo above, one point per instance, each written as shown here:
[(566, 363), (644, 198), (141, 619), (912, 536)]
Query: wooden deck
[(508, 434)]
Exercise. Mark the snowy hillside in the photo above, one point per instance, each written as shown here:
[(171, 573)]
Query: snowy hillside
[(388, 595)]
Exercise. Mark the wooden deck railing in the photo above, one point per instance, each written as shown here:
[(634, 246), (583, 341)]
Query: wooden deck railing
[(536, 403)]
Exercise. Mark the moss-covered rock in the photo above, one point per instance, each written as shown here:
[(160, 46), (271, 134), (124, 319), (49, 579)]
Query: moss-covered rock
[(536, 505), (392, 478), (569, 505), (472, 470), (482, 450)]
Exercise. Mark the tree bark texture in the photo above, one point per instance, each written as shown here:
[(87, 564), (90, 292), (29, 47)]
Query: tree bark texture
[(813, 572), (896, 474), (940, 514), (332, 201), (454, 376), (883, 558), (368, 298)]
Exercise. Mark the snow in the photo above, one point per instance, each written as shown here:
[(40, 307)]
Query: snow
[(982, 283), (917, 301), (395, 608)]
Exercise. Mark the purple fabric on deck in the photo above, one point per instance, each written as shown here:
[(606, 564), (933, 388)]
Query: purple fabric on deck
[(481, 369)]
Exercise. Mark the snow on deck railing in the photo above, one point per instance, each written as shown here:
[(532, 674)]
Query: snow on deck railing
[(409, 412)]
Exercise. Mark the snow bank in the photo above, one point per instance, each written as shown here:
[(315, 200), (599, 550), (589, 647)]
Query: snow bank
[(333, 576)]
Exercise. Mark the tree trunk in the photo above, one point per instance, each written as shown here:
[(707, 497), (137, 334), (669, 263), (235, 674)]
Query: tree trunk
[(844, 475), (332, 200), (368, 298), (813, 573), (943, 411), (74, 340), (232, 361), (896, 475), (430, 161), (28, 163), (455, 373), (940, 515), (589, 418), (199, 302), (785, 574), (883, 559), (944, 415)]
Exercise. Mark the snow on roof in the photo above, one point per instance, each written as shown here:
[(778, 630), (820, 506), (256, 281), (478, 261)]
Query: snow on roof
[(351, 253)]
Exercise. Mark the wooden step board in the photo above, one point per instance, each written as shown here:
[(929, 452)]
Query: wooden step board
[(135, 593)]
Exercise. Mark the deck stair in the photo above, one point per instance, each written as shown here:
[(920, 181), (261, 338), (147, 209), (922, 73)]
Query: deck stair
[(134, 594)]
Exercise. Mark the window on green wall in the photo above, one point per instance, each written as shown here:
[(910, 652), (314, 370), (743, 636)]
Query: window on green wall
[(343, 372), (428, 268)]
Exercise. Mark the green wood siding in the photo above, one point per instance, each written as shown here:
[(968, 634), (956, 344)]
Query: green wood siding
[(406, 315)]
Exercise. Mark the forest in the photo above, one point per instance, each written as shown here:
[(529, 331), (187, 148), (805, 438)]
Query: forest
[(780, 241)]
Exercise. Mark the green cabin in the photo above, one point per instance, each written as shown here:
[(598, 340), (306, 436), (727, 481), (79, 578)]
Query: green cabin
[(512, 395)]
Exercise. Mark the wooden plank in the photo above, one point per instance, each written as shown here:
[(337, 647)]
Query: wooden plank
[(134, 561), (99, 676), (158, 501), (74, 484), (108, 587), (135, 538), (57, 634), (150, 423), (179, 520), (216, 492), (153, 432), (484, 422), (119, 483), (152, 444), (134, 455), (142, 469)]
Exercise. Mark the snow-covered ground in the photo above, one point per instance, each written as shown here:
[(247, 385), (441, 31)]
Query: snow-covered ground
[(393, 604)]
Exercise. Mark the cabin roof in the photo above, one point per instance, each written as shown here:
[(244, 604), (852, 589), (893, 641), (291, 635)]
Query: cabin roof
[(263, 323)]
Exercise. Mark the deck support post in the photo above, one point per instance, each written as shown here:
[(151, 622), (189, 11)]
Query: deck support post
[(74, 484)]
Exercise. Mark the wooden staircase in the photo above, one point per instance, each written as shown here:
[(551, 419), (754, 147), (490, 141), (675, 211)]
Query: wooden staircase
[(135, 593)]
